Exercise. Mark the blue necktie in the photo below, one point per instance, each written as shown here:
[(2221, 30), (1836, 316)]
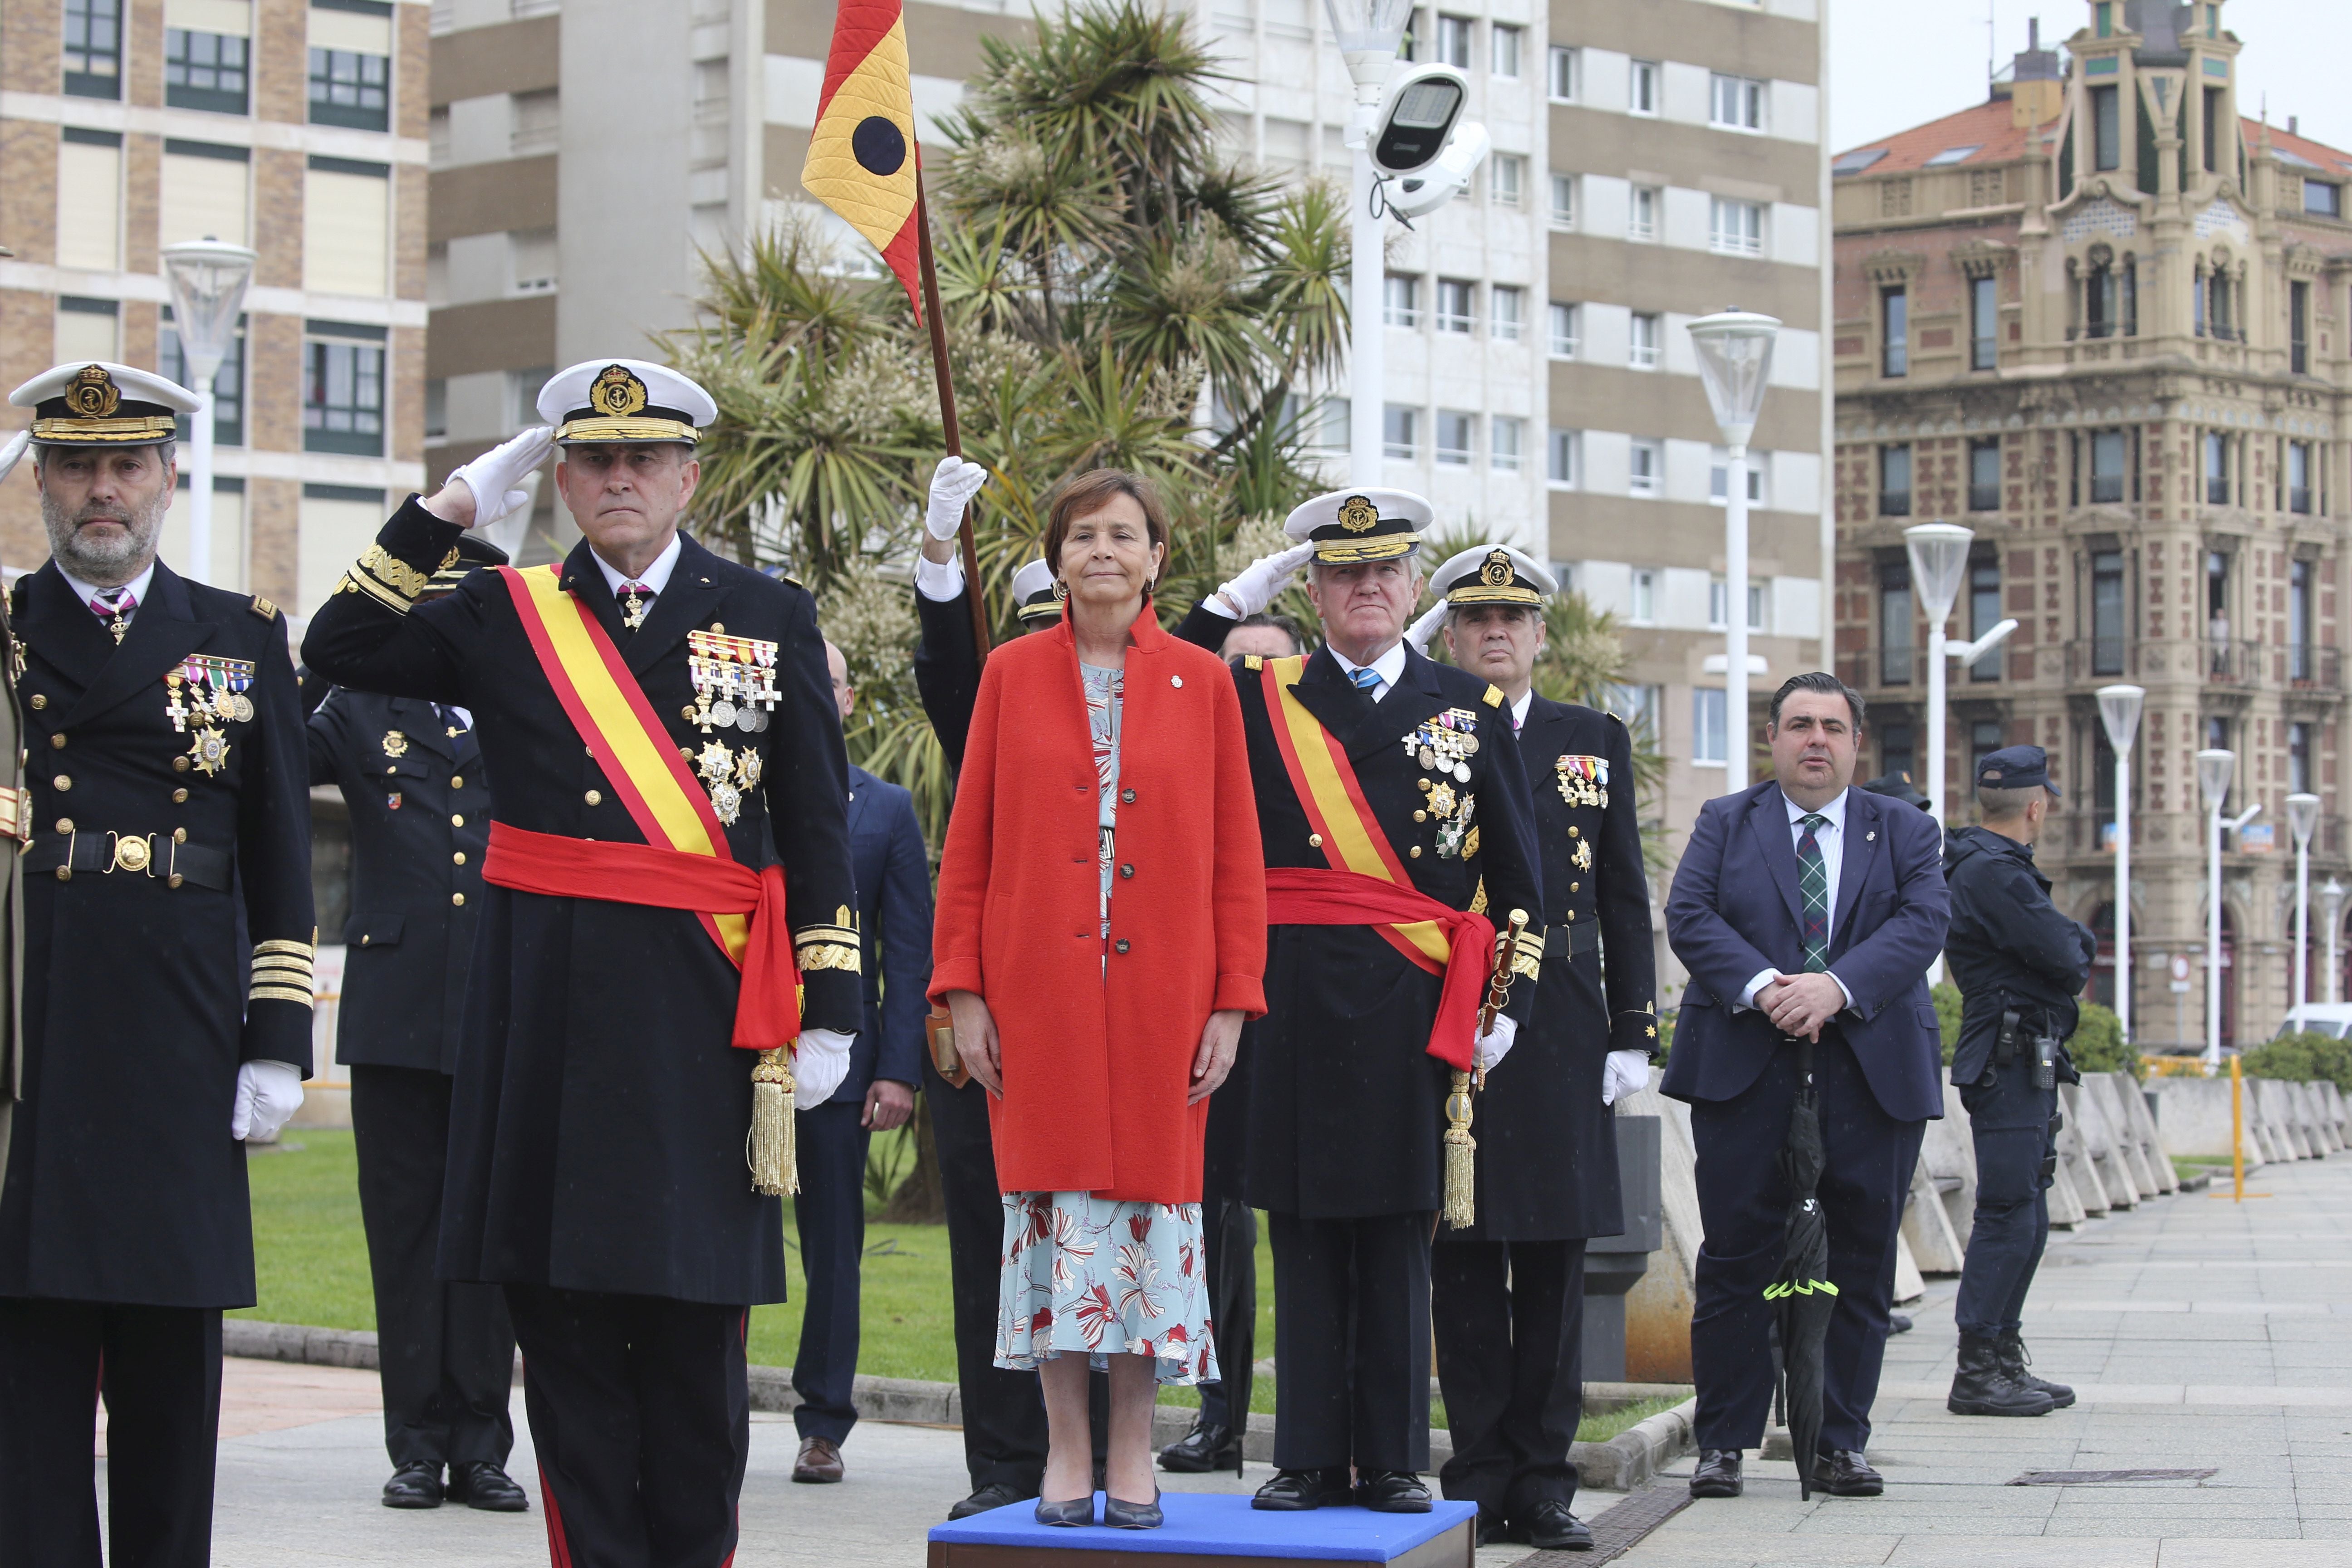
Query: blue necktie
[(1366, 679)]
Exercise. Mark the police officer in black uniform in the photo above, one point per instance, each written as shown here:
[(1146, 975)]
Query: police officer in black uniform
[(167, 986), (1507, 1294), (1346, 1104), (447, 1361), (2019, 965)]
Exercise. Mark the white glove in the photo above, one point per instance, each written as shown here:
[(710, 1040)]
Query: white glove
[(267, 1095), (1496, 1044), (1625, 1072), (12, 451), (1262, 579), (1421, 630), (496, 477), (953, 484), (820, 1061)]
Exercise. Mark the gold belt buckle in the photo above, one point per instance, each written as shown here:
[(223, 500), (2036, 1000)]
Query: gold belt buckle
[(132, 854)]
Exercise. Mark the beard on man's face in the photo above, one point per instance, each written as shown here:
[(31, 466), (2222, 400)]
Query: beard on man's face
[(86, 554)]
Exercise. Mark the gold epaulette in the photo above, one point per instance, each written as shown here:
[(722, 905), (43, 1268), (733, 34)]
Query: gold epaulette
[(1254, 661), (264, 608), (281, 972), (1493, 698)]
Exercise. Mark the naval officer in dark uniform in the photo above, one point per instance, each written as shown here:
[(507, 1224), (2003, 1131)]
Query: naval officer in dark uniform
[(1507, 1294), (167, 986), (1346, 1102), (650, 781), (14, 805), (420, 804)]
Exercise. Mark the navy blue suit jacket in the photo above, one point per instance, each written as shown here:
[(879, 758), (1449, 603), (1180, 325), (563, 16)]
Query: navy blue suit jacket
[(894, 910), (1735, 909)]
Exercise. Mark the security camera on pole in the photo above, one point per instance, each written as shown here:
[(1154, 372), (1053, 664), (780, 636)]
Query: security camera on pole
[(2119, 712), (1409, 131), (208, 280), (1940, 559), (1734, 360), (2302, 818), (2214, 769)]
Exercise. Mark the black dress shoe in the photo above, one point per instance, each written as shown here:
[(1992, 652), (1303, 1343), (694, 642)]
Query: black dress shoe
[(413, 1486), (1718, 1474), (1897, 1323), (1203, 1449), (995, 1495), (1076, 1511), (1391, 1491), (481, 1484), (1119, 1514), (1296, 1492), (1550, 1527), (1843, 1472), (1493, 1529)]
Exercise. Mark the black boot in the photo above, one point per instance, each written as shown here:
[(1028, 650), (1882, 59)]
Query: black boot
[(1983, 1386), (2011, 1349)]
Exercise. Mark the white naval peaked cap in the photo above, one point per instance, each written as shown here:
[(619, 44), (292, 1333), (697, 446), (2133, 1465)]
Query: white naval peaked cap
[(1494, 574), (610, 400), (1361, 524), (96, 403), (1035, 595)]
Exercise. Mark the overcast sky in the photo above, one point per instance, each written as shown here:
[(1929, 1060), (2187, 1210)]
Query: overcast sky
[(1895, 64)]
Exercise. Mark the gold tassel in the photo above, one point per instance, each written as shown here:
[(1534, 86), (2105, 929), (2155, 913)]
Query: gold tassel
[(775, 1165), (1461, 1158)]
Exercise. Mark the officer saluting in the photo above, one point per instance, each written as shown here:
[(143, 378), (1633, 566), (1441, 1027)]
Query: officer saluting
[(1507, 1293), (655, 717), (413, 778), (167, 985), (1387, 786)]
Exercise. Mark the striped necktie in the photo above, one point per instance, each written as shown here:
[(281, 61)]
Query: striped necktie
[(1813, 876), (1366, 679)]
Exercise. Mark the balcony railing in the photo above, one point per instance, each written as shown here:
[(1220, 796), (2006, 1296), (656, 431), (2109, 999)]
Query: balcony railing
[(2233, 663), (2101, 658)]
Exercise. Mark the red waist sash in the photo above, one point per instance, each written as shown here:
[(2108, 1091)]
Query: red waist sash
[(767, 1012), (1310, 896)]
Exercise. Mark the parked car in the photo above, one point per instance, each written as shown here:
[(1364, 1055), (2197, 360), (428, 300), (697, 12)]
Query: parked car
[(2329, 1018)]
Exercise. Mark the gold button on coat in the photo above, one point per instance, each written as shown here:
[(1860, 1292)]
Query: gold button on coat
[(458, 900), (456, 781), (179, 797), (459, 857), (39, 700), (58, 743), (595, 798), (180, 764), (1316, 839), (457, 822), (1414, 852), (63, 783)]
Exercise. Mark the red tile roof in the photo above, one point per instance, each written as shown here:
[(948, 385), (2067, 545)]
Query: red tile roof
[(1986, 126)]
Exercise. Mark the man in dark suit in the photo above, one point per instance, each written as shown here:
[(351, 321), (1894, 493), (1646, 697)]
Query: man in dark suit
[(412, 776), (894, 913), (1803, 910)]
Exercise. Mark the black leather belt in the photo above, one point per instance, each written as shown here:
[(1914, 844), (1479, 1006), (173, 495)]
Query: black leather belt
[(1571, 941), (151, 855)]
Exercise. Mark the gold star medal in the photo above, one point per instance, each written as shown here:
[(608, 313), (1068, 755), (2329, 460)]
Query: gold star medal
[(209, 750)]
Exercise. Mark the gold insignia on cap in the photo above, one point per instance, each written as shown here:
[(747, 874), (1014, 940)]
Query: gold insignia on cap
[(91, 393), (1357, 513), (617, 392), (1497, 570)]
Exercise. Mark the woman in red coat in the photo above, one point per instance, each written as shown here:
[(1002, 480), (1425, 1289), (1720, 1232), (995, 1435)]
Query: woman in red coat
[(1101, 936)]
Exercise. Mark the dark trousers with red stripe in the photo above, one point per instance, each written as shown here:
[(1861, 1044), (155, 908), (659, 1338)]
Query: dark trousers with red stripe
[(642, 1421), (158, 1369)]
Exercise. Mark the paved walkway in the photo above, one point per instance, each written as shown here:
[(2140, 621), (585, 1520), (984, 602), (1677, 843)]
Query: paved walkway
[(2196, 1332)]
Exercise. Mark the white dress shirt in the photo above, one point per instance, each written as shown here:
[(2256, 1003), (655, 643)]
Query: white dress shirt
[(1520, 709), (1829, 840), (655, 578), (1388, 667), (138, 586), (939, 581)]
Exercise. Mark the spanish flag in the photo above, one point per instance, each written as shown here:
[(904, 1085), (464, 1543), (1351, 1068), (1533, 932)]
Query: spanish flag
[(862, 160)]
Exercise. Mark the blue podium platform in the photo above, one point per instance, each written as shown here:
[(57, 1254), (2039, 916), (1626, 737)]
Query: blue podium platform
[(1212, 1530)]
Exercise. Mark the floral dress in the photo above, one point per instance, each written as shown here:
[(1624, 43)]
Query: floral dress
[(1091, 1275)]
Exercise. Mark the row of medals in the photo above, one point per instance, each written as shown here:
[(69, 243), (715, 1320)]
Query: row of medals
[(208, 693), (1443, 745), (734, 687)]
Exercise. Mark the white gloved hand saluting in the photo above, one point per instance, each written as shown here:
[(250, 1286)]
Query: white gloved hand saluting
[(1262, 579), (1624, 1073), (496, 477), (13, 452), (267, 1095), (820, 1061), (1496, 1044), (1421, 631), (953, 484)]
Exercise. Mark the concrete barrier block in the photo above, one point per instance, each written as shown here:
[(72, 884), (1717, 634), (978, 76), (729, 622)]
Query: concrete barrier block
[(1658, 1307), (2101, 1087), (2192, 1119), (2090, 1192), (2141, 1122), (1949, 1153), (2278, 1119), (1927, 1228)]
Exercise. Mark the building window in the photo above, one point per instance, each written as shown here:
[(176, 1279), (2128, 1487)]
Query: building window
[(2298, 621), (1456, 304), (228, 382), (437, 410), (1719, 478), (1985, 738), (1561, 78), (2099, 313), (2106, 129), (87, 329), (1894, 479), (1401, 432), (1984, 611), (343, 391), (350, 90), (1707, 726), (537, 123), (1642, 213), (1895, 623), (1641, 88), (1337, 431), (1736, 228), (1562, 467), (1736, 102), (1563, 200), (2107, 450), (1564, 324), (1895, 331), (2298, 327), (1453, 41), (1505, 438), (1510, 179), (1401, 296), (1645, 610), (2298, 477), (1898, 756), (1646, 333), (205, 70), (2322, 199), (1506, 41), (1984, 323), (2108, 611), (2216, 469), (92, 54), (1456, 437), (1719, 604), (1645, 465), (2298, 758), (1639, 707), (1984, 473), (2218, 314), (1507, 303)]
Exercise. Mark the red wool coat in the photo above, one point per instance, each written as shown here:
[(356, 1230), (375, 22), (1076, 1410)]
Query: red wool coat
[(1096, 1064)]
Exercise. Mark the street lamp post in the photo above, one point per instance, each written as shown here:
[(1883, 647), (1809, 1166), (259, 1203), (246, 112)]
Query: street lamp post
[(1939, 557), (2303, 816), (208, 280), (2214, 769), (1369, 31), (1734, 360), (2331, 911), (2119, 712)]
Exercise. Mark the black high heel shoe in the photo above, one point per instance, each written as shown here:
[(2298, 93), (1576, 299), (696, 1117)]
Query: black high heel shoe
[(1074, 1512), (1122, 1515)]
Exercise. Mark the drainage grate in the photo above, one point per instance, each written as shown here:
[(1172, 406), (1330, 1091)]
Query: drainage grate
[(2105, 1477), (1620, 1529)]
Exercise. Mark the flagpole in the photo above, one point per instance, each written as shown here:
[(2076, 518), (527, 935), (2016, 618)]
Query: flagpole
[(948, 410)]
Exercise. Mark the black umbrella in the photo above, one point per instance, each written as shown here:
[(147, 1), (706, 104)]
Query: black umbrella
[(1801, 1295)]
